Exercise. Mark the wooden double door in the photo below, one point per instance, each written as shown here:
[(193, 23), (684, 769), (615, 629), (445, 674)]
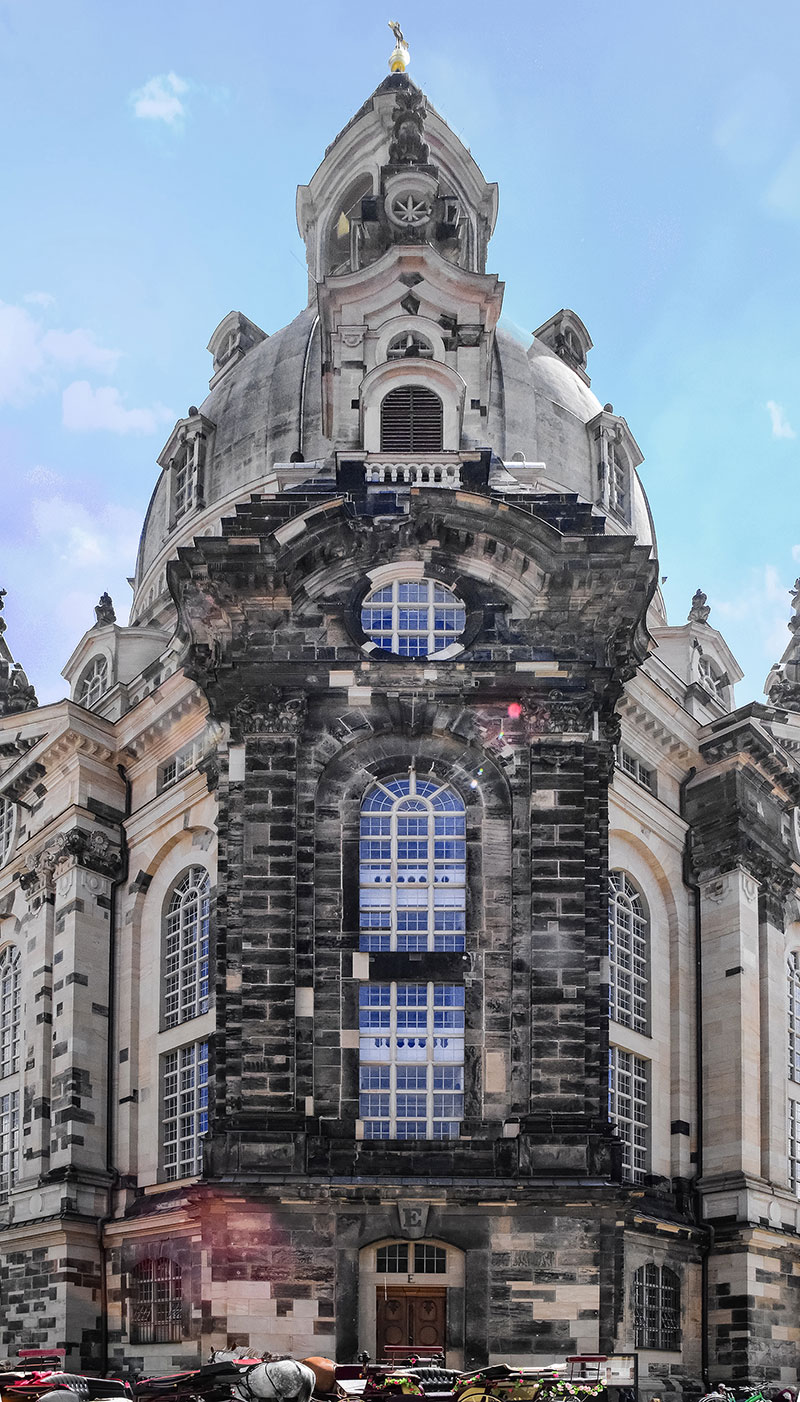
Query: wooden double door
[(411, 1315)]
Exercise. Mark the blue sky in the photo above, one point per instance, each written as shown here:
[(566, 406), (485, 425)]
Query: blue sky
[(649, 169)]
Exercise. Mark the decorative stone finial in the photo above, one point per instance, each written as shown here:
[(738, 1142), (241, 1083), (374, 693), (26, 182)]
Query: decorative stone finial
[(700, 610), (783, 683), (16, 693), (400, 59), (407, 146), (104, 611)]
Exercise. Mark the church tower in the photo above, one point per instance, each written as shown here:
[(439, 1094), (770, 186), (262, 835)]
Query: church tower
[(401, 916)]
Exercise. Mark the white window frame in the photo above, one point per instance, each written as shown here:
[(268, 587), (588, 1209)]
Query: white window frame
[(186, 948), (793, 998), (631, 765), (793, 1138), (181, 763), (396, 623), (9, 1142), (94, 682), (629, 1084), (8, 829), (628, 955), (712, 678), (618, 480), (10, 1007), (411, 1036), (184, 1104), (412, 871)]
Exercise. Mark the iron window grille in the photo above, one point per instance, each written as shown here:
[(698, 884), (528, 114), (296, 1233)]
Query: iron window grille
[(156, 1303), (412, 867), (412, 421), (8, 824), (94, 683), (9, 1011), (184, 1109), (793, 988), (657, 1308), (413, 618), (9, 1142), (628, 954), (411, 1060), (186, 949), (395, 1259), (629, 1110)]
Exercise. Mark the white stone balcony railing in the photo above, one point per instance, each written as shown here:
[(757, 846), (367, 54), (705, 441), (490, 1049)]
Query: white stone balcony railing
[(413, 472)]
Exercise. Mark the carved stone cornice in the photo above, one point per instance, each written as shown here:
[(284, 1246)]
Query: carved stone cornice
[(77, 847)]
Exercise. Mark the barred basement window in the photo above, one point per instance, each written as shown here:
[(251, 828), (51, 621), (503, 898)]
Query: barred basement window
[(412, 421), (8, 825), (413, 617), (186, 985), (156, 1303), (629, 1109), (412, 1060), (9, 1010), (793, 981), (629, 764), (93, 683), (794, 1146), (9, 1143), (413, 867), (657, 1308), (628, 954), (185, 1109)]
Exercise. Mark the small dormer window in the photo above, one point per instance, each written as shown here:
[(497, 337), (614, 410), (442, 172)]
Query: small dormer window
[(409, 345), (412, 421), (185, 481), (618, 481), (713, 679), (94, 683)]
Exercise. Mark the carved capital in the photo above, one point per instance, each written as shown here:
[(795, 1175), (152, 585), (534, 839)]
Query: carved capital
[(270, 712), (77, 847)]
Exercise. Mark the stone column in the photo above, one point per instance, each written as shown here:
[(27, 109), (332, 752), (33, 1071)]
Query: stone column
[(731, 1024), (772, 978)]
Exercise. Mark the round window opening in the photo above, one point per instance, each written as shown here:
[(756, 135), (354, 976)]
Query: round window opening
[(413, 617)]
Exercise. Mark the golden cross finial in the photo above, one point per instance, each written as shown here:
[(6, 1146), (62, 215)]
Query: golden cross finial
[(400, 58)]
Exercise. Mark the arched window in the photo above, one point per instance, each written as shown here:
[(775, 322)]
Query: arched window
[(628, 954), (413, 867), (412, 421), (793, 989), (9, 1010), (186, 946), (94, 682), (8, 824), (9, 1142), (629, 1110), (657, 1307), (413, 617), (712, 678), (409, 345), (156, 1296), (184, 1109), (185, 479)]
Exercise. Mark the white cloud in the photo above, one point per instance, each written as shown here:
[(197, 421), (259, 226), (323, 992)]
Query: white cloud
[(796, 553), (74, 349), (764, 606), (159, 99), (86, 409), (31, 359), (44, 477), (781, 428), (783, 194), (40, 299)]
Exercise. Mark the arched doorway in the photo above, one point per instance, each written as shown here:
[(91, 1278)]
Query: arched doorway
[(411, 1294)]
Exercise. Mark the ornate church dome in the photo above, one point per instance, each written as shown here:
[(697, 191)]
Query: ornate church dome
[(283, 408)]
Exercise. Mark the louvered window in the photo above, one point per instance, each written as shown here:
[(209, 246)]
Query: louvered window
[(411, 421)]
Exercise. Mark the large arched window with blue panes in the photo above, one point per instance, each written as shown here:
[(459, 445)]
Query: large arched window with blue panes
[(412, 899), (413, 867)]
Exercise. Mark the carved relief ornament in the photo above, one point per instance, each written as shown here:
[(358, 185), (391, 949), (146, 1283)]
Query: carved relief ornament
[(76, 847), (269, 713)]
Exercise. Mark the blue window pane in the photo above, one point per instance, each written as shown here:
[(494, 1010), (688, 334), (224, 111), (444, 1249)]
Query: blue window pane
[(414, 943), (449, 944), (412, 920), (376, 1129), (373, 1105), (448, 1078), (412, 1078), (412, 1129), (375, 995), (375, 943), (374, 1078), (411, 646)]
